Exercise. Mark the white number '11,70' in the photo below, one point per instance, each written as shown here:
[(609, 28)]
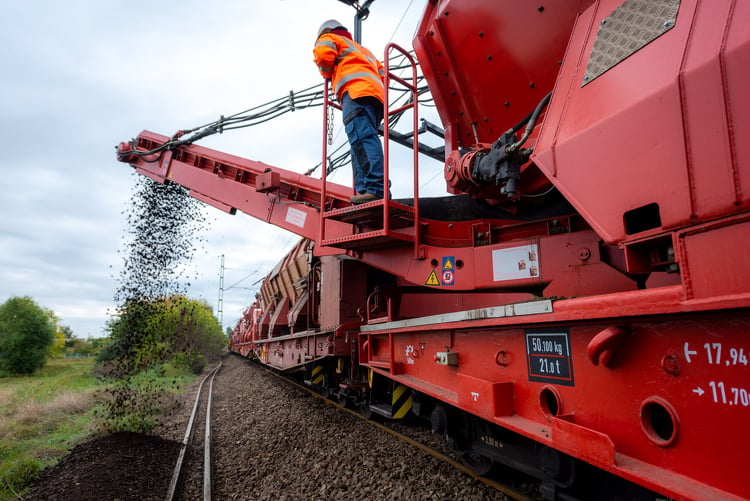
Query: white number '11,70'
[(735, 396)]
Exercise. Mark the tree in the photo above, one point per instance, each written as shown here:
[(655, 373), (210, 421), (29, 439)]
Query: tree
[(67, 333), (78, 347), (26, 334), (185, 331), (172, 329), (57, 348)]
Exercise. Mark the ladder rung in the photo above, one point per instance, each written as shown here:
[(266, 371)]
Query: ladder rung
[(371, 214), (369, 240)]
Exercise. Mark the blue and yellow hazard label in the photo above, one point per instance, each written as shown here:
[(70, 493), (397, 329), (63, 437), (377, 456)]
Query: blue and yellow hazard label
[(449, 267), (447, 275)]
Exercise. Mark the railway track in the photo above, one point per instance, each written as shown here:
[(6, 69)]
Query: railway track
[(178, 476), (406, 434), (240, 468)]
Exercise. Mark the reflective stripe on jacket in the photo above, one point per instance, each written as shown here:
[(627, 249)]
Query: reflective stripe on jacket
[(351, 67)]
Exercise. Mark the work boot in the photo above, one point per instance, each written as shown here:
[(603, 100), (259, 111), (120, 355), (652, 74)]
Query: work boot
[(364, 197)]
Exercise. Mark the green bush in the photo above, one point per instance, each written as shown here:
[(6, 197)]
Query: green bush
[(148, 339), (174, 329), (26, 335)]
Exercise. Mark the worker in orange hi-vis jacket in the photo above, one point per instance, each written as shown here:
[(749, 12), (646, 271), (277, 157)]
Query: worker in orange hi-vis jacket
[(357, 79)]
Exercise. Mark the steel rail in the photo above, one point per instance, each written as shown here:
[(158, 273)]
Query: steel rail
[(207, 479), (175, 482)]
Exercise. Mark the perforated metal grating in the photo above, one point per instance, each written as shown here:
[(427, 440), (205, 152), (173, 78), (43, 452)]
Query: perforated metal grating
[(629, 28)]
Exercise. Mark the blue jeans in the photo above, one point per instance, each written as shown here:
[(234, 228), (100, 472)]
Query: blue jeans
[(361, 120)]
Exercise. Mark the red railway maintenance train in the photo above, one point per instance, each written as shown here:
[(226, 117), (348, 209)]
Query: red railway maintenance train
[(578, 306)]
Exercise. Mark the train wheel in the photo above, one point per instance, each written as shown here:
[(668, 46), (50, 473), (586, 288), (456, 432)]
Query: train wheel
[(476, 463), (365, 410), (559, 467), (439, 420), (343, 398), (325, 388)]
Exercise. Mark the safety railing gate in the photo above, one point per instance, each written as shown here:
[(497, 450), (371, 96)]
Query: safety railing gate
[(385, 222)]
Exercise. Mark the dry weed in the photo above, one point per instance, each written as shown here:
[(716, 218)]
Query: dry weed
[(63, 404), (6, 397)]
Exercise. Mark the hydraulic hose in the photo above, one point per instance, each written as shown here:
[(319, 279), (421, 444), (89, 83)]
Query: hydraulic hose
[(531, 123)]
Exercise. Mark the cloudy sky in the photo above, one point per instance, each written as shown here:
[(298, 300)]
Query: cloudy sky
[(80, 76)]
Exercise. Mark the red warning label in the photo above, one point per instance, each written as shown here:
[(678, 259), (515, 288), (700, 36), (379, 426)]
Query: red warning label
[(447, 277)]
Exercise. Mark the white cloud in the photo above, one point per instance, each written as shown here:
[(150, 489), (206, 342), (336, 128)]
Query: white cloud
[(81, 76)]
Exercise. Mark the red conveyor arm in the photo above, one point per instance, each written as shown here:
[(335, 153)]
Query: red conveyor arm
[(280, 197)]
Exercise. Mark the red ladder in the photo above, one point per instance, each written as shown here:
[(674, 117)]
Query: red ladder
[(385, 222)]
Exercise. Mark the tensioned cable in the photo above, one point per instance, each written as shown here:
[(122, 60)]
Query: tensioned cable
[(309, 97)]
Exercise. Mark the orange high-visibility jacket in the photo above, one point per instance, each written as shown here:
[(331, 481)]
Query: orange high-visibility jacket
[(351, 67)]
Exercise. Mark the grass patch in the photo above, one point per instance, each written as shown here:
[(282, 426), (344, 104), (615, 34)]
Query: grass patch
[(16, 475), (41, 418), (45, 415)]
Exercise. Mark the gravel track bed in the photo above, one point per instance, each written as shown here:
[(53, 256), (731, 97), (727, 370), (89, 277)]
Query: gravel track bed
[(271, 441)]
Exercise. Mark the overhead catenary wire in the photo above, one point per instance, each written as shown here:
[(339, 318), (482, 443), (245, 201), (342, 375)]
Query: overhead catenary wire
[(398, 25)]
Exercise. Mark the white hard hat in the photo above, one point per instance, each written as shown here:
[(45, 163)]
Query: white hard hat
[(329, 25)]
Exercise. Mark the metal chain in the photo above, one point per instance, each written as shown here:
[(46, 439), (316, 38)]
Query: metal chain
[(330, 125)]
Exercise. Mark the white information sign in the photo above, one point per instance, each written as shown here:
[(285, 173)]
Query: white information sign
[(296, 217), (515, 262)]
